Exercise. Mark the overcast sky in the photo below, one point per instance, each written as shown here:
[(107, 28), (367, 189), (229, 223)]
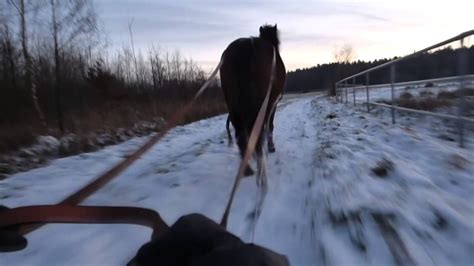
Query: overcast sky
[(309, 30)]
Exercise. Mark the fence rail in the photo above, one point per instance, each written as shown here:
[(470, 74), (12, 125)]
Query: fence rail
[(454, 79), (343, 85), (465, 119)]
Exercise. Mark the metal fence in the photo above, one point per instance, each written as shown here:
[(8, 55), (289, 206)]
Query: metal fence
[(348, 85)]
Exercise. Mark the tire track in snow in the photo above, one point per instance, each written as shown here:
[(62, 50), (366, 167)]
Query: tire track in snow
[(287, 223), (336, 227)]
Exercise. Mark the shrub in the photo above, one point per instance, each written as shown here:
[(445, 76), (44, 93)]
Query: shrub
[(383, 167), (408, 103), (446, 95), (465, 92), (430, 104), (427, 104), (426, 93), (406, 95)]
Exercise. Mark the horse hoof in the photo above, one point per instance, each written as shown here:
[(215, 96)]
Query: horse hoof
[(248, 171), (271, 148)]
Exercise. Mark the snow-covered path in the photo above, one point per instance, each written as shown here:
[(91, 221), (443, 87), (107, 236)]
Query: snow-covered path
[(324, 205)]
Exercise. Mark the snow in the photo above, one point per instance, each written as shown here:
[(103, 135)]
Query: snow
[(324, 205), (383, 92)]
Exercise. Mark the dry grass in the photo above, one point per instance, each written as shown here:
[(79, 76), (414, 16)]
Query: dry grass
[(331, 116), (428, 104), (465, 92), (205, 109), (426, 93), (458, 162), (14, 136), (406, 95), (429, 85), (446, 95), (383, 167), (455, 94), (105, 119)]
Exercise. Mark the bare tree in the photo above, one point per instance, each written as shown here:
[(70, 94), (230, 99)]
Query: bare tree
[(69, 21), (344, 54), (157, 68), (168, 66), (130, 22), (154, 74), (22, 13), (126, 61), (8, 61), (57, 85), (176, 62)]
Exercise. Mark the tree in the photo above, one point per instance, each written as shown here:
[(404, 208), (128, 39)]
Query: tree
[(70, 20), (8, 54), (30, 84), (342, 55), (135, 62)]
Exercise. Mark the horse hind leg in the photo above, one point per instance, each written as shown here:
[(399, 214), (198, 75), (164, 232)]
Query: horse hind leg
[(271, 144), (242, 140), (262, 170), (229, 135), (248, 171), (261, 158)]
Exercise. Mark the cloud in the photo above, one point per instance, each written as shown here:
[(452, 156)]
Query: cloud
[(309, 28)]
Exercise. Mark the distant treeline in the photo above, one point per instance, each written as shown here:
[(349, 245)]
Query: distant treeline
[(441, 63)]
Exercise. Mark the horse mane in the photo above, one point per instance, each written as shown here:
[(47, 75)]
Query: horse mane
[(270, 34)]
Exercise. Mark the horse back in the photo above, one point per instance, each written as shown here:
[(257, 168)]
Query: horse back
[(245, 76)]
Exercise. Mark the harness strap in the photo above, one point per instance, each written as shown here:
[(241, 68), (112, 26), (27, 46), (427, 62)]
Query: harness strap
[(252, 142)]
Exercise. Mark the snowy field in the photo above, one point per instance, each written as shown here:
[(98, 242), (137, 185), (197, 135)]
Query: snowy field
[(325, 206)]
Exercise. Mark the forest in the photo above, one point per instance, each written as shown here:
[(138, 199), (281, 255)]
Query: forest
[(437, 64), (58, 76)]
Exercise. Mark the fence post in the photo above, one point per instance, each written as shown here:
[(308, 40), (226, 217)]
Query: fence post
[(338, 92), (392, 81), (462, 61), (345, 88), (354, 90), (339, 87), (367, 81)]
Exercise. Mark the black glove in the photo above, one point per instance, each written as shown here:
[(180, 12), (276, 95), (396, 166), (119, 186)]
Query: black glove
[(10, 240), (195, 240)]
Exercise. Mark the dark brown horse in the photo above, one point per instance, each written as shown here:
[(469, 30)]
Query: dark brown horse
[(245, 76)]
